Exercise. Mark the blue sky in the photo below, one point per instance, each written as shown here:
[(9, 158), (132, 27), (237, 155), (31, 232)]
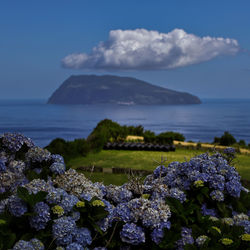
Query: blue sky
[(37, 36)]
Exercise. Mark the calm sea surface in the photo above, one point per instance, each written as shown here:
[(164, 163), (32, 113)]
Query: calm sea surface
[(43, 122)]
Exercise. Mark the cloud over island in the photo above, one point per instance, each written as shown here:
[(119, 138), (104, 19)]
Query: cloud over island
[(142, 49)]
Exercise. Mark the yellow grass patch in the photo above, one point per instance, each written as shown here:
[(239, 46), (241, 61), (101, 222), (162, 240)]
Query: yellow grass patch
[(134, 138), (207, 145)]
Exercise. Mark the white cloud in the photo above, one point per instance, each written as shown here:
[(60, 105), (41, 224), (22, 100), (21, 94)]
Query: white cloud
[(143, 49)]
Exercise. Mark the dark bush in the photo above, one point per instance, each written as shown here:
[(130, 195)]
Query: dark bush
[(226, 139), (69, 149), (242, 143)]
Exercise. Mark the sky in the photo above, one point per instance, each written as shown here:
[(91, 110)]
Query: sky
[(200, 47)]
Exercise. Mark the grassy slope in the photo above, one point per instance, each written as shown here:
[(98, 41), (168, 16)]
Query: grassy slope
[(146, 160)]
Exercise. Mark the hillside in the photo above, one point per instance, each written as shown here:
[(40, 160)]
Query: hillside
[(93, 89)]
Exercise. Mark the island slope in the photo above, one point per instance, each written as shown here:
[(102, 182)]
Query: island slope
[(108, 89)]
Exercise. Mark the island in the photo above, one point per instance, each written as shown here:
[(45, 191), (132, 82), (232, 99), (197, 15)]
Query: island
[(110, 89)]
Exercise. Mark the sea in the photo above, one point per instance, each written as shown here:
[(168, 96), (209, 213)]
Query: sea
[(199, 122)]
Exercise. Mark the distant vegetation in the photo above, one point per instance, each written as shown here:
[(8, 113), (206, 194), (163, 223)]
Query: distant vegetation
[(108, 131), (228, 140)]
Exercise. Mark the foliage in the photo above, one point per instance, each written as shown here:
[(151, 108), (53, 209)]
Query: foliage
[(197, 204), (226, 139), (108, 130), (69, 149)]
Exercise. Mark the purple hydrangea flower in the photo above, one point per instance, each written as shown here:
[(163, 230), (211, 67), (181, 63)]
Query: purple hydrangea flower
[(16, 206), (132, 234), (82, 236), (39, 221)]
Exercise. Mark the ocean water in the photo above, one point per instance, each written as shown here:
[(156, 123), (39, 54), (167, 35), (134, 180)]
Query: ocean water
[(44, 122)]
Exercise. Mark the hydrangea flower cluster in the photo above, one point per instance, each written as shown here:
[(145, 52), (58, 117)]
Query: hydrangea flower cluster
[(138, 207), (29, 245), (132, 234), (212, 170), (14, 141), (41, 217)]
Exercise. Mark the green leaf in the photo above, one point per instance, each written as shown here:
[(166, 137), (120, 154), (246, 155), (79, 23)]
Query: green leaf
[(31, 199), (200, 198), (23, 194)]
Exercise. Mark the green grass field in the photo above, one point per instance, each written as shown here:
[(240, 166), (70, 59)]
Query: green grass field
[(144, 160)]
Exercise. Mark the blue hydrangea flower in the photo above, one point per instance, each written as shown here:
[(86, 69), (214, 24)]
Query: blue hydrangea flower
[(16, 206), (37, 244), (57, 158), (2, 166), (57, 168), (14, 141), (39, 221), (245, 224), (2, 190), (74, 246), (82, 236), (22, 244), (177, 194), (86, 196), (186, 234), (75, 215), (229, 150), (68, 202), (55, 195), (160, 171), (118, 194), (63, 230), (233, 188), (3, 204), (217, 182), (158, 233), (122, 211), (132, 234), (217, 195), (201, 240), (206, 211), (37, 155)]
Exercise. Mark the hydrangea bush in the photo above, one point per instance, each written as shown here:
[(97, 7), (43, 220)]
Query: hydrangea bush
[(199, 204)]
